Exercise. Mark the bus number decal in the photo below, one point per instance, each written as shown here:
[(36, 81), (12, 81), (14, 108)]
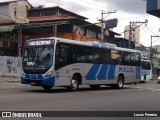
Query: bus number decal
[(57, 74)]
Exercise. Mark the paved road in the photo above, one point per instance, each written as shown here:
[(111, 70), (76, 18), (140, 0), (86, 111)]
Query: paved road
[(141, 97)]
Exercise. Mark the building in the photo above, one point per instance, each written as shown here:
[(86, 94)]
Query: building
[(8, 11), (44, 22), (156, 59), (134, 32), (122, 42), (153, 8)]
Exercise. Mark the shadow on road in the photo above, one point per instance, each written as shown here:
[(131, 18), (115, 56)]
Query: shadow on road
[(81, 89)]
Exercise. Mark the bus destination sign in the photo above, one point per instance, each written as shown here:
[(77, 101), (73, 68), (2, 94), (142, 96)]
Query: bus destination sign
[(39, 42)]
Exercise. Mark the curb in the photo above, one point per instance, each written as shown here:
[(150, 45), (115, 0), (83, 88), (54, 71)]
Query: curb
[(10, 78), (17, 76)]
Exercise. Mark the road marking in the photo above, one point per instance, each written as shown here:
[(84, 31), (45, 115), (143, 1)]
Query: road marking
[(155, 90), (138, 87), (149, 88)]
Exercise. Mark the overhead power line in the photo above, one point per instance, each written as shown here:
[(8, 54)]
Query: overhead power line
[(75, 5), (150, 30), (156, 40)]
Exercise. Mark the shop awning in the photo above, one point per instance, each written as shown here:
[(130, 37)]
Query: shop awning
[(7, 28)]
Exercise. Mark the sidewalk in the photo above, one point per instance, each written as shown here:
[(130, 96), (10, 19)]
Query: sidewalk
[(9, 78)]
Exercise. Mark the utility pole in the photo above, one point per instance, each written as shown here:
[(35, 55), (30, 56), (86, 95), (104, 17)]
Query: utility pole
[(151, 53), (133, 29), (20, 41), (102, 22)]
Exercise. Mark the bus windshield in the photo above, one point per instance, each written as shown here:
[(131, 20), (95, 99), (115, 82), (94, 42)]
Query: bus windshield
[(37, 59)]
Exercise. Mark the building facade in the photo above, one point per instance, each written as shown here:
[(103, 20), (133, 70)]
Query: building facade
[(153, 8), (132, 32), (45, 22)]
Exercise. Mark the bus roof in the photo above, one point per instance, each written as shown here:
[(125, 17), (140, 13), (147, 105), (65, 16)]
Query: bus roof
[(126, 49), (146, 60), (88, 43)]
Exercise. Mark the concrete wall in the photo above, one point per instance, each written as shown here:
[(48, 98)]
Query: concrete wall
[(8, 12), (5, 15), (10, 65)]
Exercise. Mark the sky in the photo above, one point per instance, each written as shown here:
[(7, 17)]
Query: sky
[(126, 11)]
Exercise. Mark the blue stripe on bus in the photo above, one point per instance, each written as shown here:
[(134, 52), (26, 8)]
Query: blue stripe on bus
[(111, 72), (28, 76), (91, 75), (103, 46), (102, 73), (34, 76), (40, 77), (138, 76), (95, 45)]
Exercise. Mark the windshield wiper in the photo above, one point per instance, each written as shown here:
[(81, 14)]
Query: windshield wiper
[(40, 51)]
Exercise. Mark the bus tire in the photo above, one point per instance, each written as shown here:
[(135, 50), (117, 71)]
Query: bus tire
[(95, 86), (47, 88), (120, 82), (74, 84)]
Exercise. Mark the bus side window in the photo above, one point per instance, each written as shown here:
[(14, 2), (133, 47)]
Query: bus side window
[(62, 55), (78, 54), (89, 55), (105, 56), (57, 54), (96, 58), (115, 57)]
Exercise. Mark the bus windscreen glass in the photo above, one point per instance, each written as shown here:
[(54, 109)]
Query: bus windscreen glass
[(37, 59)]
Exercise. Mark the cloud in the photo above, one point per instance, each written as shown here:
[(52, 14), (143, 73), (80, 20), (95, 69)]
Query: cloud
[(70, 5), (128, 6)]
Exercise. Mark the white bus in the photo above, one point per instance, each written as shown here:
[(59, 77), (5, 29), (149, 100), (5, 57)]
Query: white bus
[(50, 62), (146, 70)]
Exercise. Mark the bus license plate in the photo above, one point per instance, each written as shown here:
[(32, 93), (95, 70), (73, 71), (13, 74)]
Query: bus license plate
[(33, 83)]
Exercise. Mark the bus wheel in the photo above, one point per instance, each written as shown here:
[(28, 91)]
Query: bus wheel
[(95, 86), (120, 82), (47, 88), (74, 84)]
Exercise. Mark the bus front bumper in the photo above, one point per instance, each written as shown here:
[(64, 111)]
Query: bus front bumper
[(38, 80)]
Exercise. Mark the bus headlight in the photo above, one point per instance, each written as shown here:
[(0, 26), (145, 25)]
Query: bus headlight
[(23, 75), (49, 74)]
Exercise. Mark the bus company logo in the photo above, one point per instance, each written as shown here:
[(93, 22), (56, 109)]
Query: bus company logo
[(6, 114), (126, 69)]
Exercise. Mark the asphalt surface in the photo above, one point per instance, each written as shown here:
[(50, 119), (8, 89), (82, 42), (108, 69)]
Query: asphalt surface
[(141, 97)]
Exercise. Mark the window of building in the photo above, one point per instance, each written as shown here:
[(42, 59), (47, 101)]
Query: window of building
[(46, 12)]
